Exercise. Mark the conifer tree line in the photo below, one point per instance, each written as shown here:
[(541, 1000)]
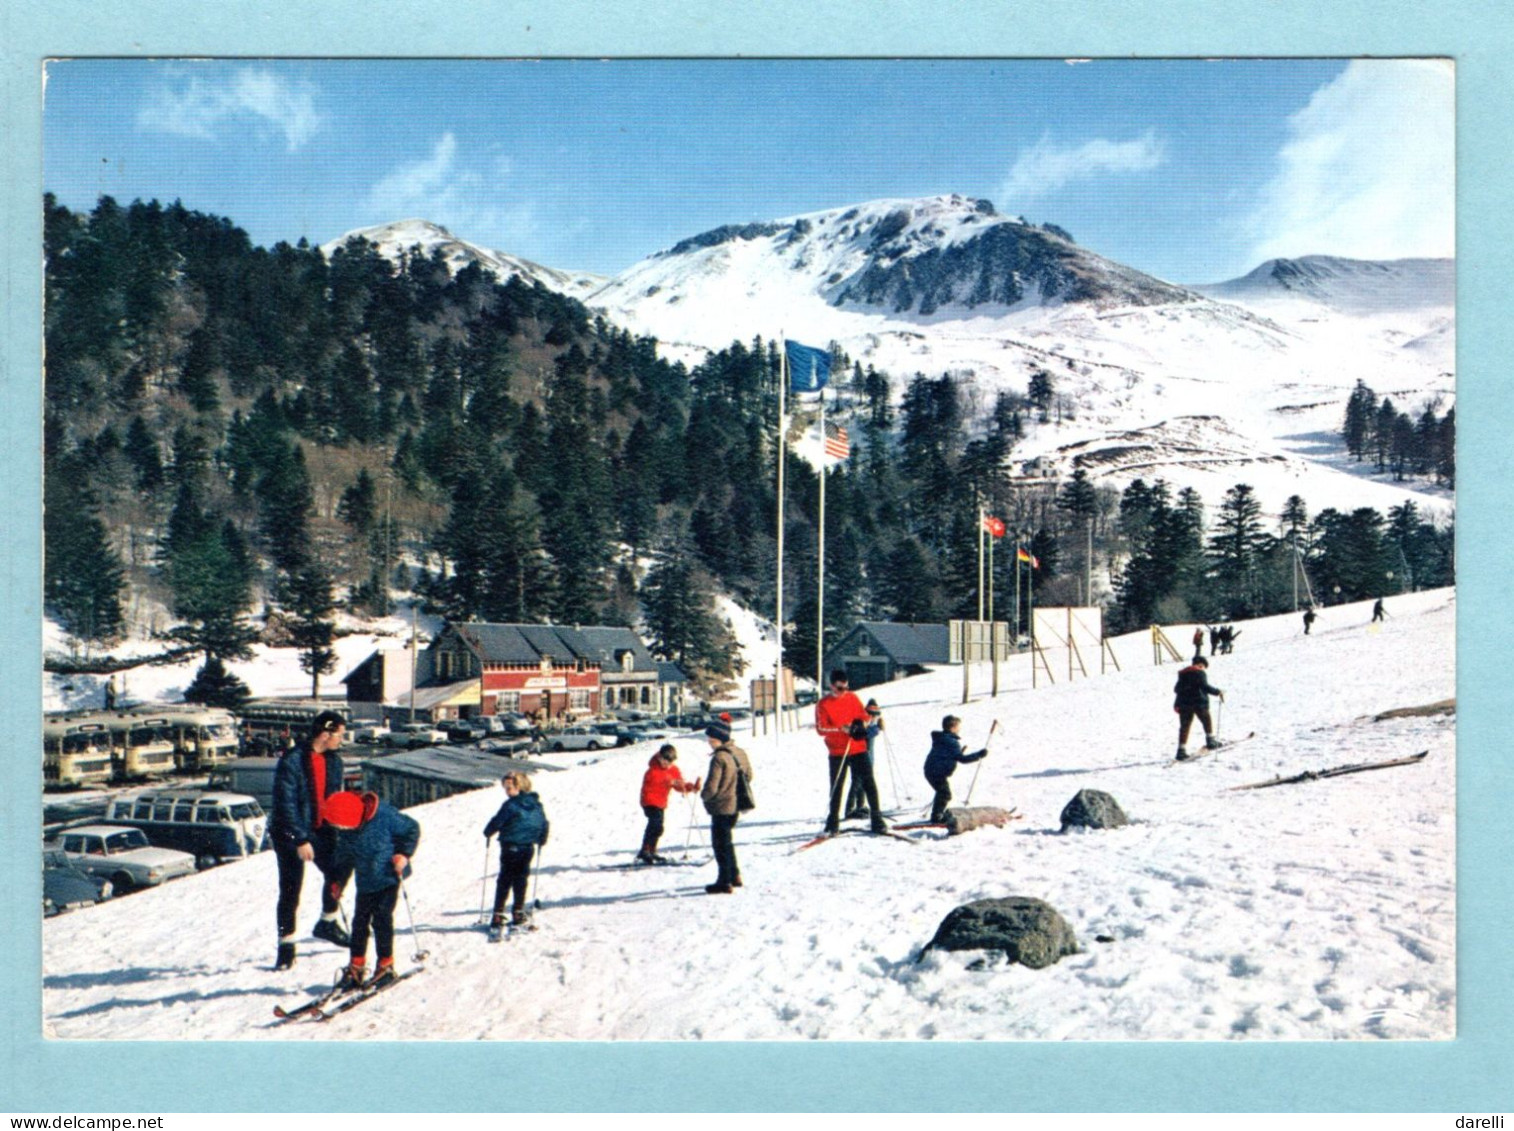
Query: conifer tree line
[(1408, 446), (253, 440)]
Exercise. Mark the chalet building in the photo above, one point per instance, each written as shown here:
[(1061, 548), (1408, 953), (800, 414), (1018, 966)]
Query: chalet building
[(541, 670), (880, 651), (380, 686)]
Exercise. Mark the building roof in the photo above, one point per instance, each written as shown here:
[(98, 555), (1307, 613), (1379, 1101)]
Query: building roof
[(910, 643), (451, 764), (668, 672), (528, 643)]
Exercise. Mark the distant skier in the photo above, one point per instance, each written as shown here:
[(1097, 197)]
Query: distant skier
[(1214, 640), (1378, 612), (1192, 702), (1198, 643), (375, 841), (721, 796), (1309, 619), (841, 720), (110, 691), (856, 797), (522, 825), (662, 777), (1228, 634), (944, 757)]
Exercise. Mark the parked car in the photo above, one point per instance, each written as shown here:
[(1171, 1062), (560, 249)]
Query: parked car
[(467, 730), (506, 747), (123, 856), (578, 737), (648, 732), (66, 886), (412, 736), (694, 720), (369, 735)]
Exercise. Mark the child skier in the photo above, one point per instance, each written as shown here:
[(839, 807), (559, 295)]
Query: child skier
[(944, 757), (661, 778), (1192, 692), (522, 825), (374, 841)]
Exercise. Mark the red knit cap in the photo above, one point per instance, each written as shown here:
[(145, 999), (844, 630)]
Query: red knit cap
[(344, 810)]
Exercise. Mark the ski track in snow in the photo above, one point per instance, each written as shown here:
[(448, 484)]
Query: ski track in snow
[(1323, 910)]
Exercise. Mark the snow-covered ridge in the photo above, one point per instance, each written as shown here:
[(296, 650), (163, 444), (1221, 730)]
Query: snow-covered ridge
[(1354, 285), (393, 239)]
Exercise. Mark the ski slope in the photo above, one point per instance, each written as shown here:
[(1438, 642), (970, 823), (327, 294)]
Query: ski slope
[(1322, 910)]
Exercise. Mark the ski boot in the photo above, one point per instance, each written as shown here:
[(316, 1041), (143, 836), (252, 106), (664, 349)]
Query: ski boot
[(331, 931), (1212, 743), (384, 975), (1182, 754), (285, 960), (351, 979), (496, 928), (520, 920)]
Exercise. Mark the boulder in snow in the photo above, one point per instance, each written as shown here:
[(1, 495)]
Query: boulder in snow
[(1028, 931), (1093, 809)]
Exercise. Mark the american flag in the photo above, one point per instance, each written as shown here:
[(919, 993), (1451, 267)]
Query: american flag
[(837, 446)]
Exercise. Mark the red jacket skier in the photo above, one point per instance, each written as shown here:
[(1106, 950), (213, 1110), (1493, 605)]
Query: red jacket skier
[(661, 779), (841, 720)]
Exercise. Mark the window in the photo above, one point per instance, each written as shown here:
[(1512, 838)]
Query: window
[(246, 810), (163, 809), (184, 811), (144, 809), (506, 701), (125, 841), (578, 700)]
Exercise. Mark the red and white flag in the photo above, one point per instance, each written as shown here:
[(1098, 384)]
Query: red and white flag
[(994, 526)]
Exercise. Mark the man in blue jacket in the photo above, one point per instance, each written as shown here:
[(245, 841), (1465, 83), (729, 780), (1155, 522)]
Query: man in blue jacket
[(303, 779), (944, 757), (374, 841)]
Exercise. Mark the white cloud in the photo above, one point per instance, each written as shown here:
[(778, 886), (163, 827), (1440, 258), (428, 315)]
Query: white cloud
[(1046, 167), (446, 189), (202, 108), (1368, 170)]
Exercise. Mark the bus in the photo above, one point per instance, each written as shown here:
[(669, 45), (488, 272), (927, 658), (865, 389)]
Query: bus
[(211, 825), (269, 725), (145, 741), (76, 751)]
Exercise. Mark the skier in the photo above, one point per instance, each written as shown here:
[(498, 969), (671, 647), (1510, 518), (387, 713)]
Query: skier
[(522, 825), (721, 797), (856, 797), (1192, 702), (841, 720), (1378, 612), (375, 842), (662, 777), (1198, 642), (302, 781), (1309, 618), (1214, 640), (944, 757)]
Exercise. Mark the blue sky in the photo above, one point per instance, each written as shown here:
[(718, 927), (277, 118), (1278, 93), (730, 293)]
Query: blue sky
[(1192, 170)]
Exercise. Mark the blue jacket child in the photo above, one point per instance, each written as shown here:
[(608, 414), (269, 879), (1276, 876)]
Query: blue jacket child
[(375, 840), (520, 820), (944, 757)]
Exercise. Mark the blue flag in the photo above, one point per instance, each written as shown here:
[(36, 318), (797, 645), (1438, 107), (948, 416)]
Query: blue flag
[(809, 368)]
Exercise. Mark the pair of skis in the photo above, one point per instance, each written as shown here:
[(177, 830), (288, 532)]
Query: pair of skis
[(1205, 752), (823, 837), (337, 1001), (506, 931)]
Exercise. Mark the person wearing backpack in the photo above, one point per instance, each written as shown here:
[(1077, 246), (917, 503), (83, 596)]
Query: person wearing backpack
[(726, 794)]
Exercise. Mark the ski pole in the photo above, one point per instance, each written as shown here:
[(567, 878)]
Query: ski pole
[(536, 879), (689, 836), (978, 768), (420, 955), (483, 882)]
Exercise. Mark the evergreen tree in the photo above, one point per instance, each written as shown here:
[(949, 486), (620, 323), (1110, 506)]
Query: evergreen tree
[(1236, 550), (359, 503), (214, 686), (678, 603), (82, 574), (306, 596)]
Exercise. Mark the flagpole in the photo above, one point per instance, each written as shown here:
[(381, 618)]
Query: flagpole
[(783, 381), (991, 578), (820, 584), (980, 561)]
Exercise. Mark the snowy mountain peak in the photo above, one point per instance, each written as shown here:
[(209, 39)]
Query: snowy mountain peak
[(399, 236), (932, 257), (1359, 286)]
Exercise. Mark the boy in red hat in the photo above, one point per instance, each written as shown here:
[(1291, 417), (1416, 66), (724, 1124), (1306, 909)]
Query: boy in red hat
[(376, 841)]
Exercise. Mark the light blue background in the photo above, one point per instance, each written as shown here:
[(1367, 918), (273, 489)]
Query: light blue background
[(1472, 1073)]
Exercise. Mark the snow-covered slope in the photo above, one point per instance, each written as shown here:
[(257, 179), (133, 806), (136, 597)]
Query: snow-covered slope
[(1355, 285), (403, 235), (1322, 910)]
